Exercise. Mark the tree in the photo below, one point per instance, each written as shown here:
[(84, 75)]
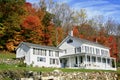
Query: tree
[(62, 15), (59, 34), (80, 17), (10, 17), (31, 22), (76, 32), (111, 27), (29, 9)]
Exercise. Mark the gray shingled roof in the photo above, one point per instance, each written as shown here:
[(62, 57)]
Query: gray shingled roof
[(84, 41), (31, 45), (89, 42)]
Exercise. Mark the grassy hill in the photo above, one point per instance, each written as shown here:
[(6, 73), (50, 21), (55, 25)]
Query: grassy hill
[(20, 65)]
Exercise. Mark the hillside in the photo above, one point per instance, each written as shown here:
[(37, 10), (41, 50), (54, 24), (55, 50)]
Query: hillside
[(22, 21)]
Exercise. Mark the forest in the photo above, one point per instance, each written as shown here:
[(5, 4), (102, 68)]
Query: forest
[(48, 23)]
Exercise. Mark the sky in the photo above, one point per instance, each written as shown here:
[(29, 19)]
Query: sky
[(108, 8)]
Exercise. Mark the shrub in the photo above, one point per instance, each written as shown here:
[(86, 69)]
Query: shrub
[(118, 64), (22, 64)]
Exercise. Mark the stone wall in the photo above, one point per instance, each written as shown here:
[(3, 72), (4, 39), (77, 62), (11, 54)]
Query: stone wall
[(58, 75), (9, 61)]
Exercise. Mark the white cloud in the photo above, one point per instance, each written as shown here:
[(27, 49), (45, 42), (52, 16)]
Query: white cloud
[(99, 7), (33, 1), (64, 1), (88, 3)]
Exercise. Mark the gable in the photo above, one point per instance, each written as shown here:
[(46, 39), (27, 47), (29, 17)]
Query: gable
[(78, 41), (70, 42), (21, 45)]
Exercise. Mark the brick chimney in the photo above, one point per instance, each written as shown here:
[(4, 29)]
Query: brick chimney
[(71, 33)]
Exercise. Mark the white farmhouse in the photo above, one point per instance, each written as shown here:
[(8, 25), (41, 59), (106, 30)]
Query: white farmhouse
[(72, 52), (38, 55)]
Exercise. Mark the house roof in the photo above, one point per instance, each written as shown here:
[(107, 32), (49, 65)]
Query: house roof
[(31, 45), (84, 41)]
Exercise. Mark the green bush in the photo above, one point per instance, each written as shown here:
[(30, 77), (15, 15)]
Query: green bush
[(118, 64), (22, 64)]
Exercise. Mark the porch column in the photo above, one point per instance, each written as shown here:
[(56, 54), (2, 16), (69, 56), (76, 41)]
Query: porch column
[(91, 61), (106, 63), (78, 60), (85, 60), (101, 62), (115, 62), (69, 62), (110, 62), (96, 62)]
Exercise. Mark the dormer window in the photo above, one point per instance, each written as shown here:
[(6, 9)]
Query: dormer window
[(70, 41)]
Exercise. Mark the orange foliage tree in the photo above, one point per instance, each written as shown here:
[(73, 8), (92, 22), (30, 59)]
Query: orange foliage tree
[(59, 34), (75, 31)]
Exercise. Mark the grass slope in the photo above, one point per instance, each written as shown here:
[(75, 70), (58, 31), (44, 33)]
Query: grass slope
[(7, 55)]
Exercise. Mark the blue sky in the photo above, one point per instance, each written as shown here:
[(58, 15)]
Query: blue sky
[(108, 8)]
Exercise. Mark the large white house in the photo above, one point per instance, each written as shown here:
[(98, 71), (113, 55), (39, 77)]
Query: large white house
[(72, 52)]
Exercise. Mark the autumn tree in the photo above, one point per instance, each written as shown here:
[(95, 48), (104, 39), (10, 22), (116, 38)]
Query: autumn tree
[(76, 32), (80, 17), (10, 18), (59, 34)]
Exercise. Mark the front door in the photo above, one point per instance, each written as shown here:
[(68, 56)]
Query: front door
[(81, 59), (63, 62)]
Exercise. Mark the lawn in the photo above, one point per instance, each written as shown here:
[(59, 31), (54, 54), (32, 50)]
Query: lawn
[(38, 69), (7, 55)]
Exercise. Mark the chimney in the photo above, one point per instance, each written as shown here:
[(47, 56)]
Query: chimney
[(96, 40), (71, 33)]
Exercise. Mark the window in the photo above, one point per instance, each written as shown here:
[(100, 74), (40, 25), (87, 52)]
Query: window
[(41, 52), (99, 59), (104, 52), (93, 50), (65, 51), (104, 60), (108, 61), (70, 41), (86, 49), (97, 51), (83, 49), (56, 53), (35, 51), (51, 53), (93, 59), (78, 49), (54, 61), (88, 58), (41, 59), (90, 50)]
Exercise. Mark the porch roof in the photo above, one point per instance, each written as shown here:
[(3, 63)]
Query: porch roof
[(83, 54)]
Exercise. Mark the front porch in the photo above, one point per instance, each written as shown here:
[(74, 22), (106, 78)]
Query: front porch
[(88, 61)]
